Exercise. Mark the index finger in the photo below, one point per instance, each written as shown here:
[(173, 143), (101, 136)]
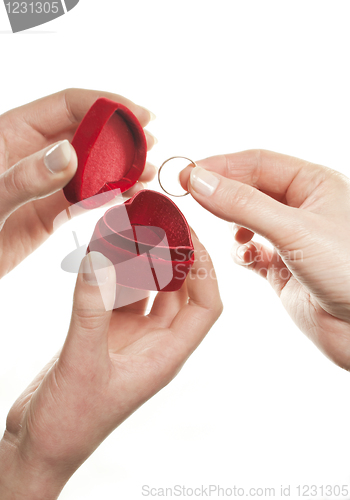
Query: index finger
[(272, 173), (64, 110)]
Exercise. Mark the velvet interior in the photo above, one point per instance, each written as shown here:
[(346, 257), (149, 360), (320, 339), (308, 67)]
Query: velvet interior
[(111, 158), (159, 240), (150, 208), (156, 253), (111, 148), (149, 235)]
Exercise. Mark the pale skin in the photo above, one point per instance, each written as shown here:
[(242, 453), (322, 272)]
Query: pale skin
[(303, 209), (112, 361), (31, 196)]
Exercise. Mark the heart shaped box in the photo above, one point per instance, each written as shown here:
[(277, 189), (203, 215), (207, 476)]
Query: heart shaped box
[(147, 238), (148, 241), (111, 147)]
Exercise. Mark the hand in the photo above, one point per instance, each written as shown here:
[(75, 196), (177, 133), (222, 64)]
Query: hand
[(31, 194), (111, 363), (303, 209)]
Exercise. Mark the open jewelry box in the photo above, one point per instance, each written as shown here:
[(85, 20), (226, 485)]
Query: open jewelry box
[(147, 238)]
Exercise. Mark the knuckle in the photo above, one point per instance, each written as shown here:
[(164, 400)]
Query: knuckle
[(339, 179), (325, 179), (88, 319), (69, 90), (238, 198), (23, 180), (68, 96), (199, 273), (68, 93), (257, 157), (13, 182), (219, 307), (247, 168)]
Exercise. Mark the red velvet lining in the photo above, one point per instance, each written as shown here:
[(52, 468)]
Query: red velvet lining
[(150, 208), (152, 216), (111, 147)]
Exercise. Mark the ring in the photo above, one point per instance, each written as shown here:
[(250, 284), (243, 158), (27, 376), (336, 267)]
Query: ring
[(160, 183)]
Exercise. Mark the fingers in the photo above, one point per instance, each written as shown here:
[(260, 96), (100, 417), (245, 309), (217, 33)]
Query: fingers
[(64, 110), (167, 304), (247, 206), (151, 140), (204, 306), (264, 261), (37, 176), (139, 307), (149, 173), (242, 234), (272, 173), (87, 340)]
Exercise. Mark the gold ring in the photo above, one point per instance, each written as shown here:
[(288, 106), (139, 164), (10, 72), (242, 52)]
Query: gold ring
[(160, 183)]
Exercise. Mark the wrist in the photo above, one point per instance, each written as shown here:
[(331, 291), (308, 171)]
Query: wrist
[(22, 480)]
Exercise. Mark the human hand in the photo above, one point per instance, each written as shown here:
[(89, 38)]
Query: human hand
[(31, 183), (111, 363), (301, 208)]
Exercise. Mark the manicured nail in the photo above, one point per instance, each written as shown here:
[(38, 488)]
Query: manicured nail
[(243, 254), (154, 139), (152, 116), (234, 229), (95, 268), (203, 181), (241, 251), (58, 157)]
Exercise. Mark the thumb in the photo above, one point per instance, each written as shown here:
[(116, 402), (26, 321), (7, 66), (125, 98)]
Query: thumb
[(245, 205), (37, 176), (86, 346)]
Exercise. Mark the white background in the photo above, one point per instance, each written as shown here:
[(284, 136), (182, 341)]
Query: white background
[(256, 404)]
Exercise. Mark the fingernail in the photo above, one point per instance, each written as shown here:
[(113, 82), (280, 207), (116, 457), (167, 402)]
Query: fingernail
[(95, 268), (151, 140), (154, 139), (58, 157), (203, 181), (234, 229), (240, 255), (152, 116), (194, 234), (241, 251), (150, 165)]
